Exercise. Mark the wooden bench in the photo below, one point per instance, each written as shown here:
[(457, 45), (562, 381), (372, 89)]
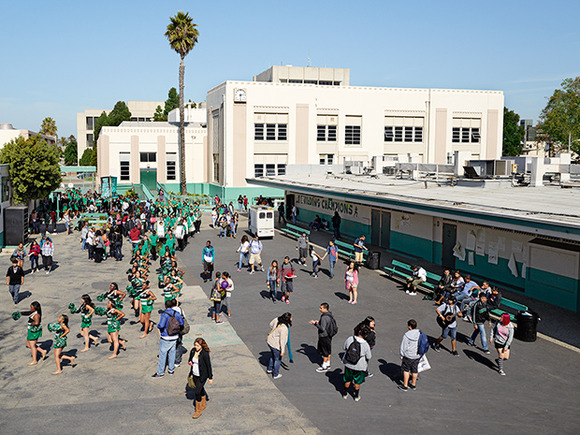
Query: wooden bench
[(347, 250), (508, 303), (401, 271), (93, 216), (295, 231)]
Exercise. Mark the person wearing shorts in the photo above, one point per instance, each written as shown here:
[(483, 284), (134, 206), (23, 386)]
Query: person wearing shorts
[(324, 326), (410, 356), (255, 254), (355, 373), (448, 312)]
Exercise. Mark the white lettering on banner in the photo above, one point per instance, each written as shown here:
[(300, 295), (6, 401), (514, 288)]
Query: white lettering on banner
[(346, 210)]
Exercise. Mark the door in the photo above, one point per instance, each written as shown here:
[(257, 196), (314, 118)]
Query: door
[(289, 204), (375, 227), (385, 230), (449, 240), (149, 179)]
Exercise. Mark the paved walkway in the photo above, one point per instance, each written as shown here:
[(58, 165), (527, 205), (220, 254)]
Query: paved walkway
[(110, 396)]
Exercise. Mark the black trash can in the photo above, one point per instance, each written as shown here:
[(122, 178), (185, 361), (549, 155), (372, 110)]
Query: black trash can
[(374, 260), (527, 325)]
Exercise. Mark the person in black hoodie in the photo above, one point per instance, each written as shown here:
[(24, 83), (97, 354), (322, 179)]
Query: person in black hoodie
[(201, 371), (479, 315)]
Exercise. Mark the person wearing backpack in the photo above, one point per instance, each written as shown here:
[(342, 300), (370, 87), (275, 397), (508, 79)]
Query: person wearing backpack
[(357, 354), (327, 329), (414, 345), (170, 325)]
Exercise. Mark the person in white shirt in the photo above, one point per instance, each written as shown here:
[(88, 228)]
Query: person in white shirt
[(419, 277)]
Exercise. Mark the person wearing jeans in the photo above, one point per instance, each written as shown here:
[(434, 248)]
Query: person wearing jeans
[(480, 314), (277, 340), (167, 343), (14, 279), (332, 256)]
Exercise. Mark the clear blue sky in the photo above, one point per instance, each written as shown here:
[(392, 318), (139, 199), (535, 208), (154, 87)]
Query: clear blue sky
[(61, 57)]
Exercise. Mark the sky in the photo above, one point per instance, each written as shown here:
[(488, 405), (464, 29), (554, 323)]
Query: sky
[(60, 58)]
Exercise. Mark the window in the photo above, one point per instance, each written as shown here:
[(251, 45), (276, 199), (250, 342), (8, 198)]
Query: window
[(398, 134), (270, 131), (475, 135), (352, 135), (258, 170), (331, 137), (90, 123), (326, 128), (321, 133), (408, 134), (455, 136), (330, 159), (258, 131), (171, 166), (389, 134), (326, 159), (216, 168), (148, 157), (282, 132), (465, 135), (418, 134), (124, 161), (270, 169), (90, 140), (281, 168)]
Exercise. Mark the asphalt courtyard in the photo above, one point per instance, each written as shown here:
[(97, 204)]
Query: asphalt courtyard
[(462, 394), (459, 394)]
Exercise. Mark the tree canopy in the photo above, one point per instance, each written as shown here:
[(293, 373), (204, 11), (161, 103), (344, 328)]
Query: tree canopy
[(513, 133), (89, 157), (48, 127), (172, 102), (34, 168), (560, 119), (70, 151), (119, 114)]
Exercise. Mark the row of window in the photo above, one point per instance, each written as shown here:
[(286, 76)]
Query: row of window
[(269, 169), (403, 134), (273, 132), (465, 135), (170, 164)]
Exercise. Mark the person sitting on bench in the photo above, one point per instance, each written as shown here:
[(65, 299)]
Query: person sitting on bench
[(493, 298), (443, 287), (468, 287), (316, 223), (419, 277)]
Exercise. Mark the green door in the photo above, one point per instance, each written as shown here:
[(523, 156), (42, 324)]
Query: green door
[(149, 179)]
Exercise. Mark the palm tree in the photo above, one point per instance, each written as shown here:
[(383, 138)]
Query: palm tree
[(182, 35)]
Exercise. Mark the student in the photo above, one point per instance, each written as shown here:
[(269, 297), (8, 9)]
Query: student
[(255, 254), (208, 259), (277, 340), (61, 331), (147, 299), (447, 320), (229, 289), (359, 246), (201, 372), (479, 315), (355, 360), (502, 336), (326, 326), (418, 277), (34, 253), (273, 280), (302, 248), (113, 328), (410, 357), (47, 248), (244, 251), (316, 259), (332, 253), (167, 340), (351, 282), (217, 296), (14, 279), (286, 274), (87, 309), (34, 332)]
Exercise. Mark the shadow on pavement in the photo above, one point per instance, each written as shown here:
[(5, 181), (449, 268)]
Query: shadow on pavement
[(335, 378), (480, 359), (341, 295), (392, 370), (310, 352)]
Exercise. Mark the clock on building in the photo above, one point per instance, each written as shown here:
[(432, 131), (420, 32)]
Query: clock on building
[(240, 96)]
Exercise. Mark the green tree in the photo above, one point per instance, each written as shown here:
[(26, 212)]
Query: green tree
[(89, 157), (172, 102), (34, 168), (48, 127), (70, 151), (159, 116), (119, 114), (182, 35), (513, 133), (560, 119)]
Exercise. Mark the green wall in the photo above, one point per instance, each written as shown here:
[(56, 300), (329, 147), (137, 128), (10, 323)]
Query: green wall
[(411, 245), (554, 289)]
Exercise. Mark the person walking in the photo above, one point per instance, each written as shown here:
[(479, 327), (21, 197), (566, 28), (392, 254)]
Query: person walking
[(327, 329), (244, 251), (316, 259), (229, 289), (357, 354), (169, 326), (479, 315), (90, 244), (208, 259), (447, 320), (218, 294), (201, 372), (14, 279), (47, 248), (351, 282), (302, 248), (277, 340), (359, 247), (34, 332), (502, 336), (332, 254), (273, 280), (286, 275), (20, 254), (410, 356), (255, 254)]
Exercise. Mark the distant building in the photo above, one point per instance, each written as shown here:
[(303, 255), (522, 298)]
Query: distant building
[(8, 132), (141, 111)]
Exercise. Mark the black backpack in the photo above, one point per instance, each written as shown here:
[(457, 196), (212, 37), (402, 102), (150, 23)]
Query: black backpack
[(332, 327), (352, 355)]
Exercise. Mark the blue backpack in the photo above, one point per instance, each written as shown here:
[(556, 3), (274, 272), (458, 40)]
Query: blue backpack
[(422, 344)]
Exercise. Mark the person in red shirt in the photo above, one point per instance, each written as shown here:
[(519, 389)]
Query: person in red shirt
[(134, 236)]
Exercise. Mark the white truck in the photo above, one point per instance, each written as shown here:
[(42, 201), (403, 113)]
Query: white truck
[(261, 221)]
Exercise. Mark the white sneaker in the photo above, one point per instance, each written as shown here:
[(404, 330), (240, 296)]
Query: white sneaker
[(323, 369), (412, 293), (269, 371), (278, 376), (407, 291)]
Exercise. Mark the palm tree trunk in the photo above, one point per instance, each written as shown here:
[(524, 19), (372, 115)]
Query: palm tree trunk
[(182, 179)]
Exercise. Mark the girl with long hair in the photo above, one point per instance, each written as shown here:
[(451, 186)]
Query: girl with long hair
[(61, 331), (273, 280), (277, 340), (201, 372), (351, 282), (147, 298), (87, 309), (34, 332), (113, 328)]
